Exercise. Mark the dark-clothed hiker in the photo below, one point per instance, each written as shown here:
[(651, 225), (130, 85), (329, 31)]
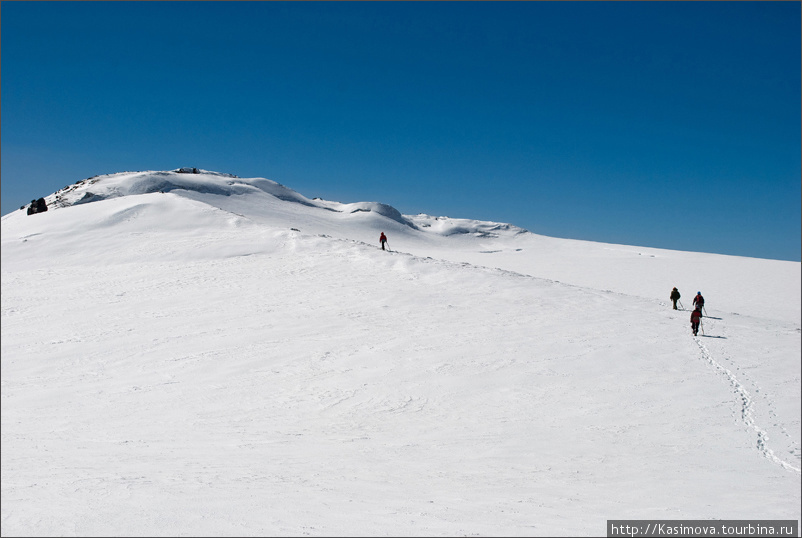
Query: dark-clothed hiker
[(382, 239), (675, 296)]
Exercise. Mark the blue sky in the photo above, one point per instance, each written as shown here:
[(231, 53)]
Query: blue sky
[(662, 124)]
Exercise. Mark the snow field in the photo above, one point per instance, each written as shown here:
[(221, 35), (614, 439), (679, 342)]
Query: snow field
[(221, 375)]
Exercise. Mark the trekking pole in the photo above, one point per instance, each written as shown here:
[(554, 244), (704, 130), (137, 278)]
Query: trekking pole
[(680, 304), (705, 309)]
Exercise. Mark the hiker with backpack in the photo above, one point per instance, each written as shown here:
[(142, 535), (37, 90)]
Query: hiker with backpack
[(675, 296), (382, 239), (696, 319), (699, 301)]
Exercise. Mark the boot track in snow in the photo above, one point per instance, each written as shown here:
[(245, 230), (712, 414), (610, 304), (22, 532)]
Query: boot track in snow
[(746, 409)]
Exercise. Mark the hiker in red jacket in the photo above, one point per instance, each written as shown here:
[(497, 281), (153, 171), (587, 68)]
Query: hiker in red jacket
[(696, 318), (382, 239), (699, 301)]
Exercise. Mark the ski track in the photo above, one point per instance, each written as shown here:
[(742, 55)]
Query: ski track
[(747, 416)]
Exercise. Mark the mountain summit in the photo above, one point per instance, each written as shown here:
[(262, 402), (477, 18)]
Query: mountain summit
[(196, 182)]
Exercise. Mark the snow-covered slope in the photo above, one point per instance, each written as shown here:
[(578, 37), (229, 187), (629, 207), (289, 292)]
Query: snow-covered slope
[(201, 354), (742, 286)]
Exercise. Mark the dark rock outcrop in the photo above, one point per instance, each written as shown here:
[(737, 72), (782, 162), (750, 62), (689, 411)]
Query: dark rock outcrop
[(37, 206)]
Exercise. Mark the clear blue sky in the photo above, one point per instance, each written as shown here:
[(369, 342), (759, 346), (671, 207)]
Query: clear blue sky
[(663, 124)]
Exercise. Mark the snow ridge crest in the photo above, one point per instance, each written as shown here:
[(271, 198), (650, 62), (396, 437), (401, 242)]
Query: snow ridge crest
[(200, 181), (195, 182)]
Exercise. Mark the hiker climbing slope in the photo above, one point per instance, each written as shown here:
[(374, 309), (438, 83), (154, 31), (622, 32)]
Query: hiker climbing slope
[(675, 296), (699, 301), (696, 318)]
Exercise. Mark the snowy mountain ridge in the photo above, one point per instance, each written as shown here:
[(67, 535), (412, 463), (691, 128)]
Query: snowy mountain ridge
[(265, 202), (200, 181)]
